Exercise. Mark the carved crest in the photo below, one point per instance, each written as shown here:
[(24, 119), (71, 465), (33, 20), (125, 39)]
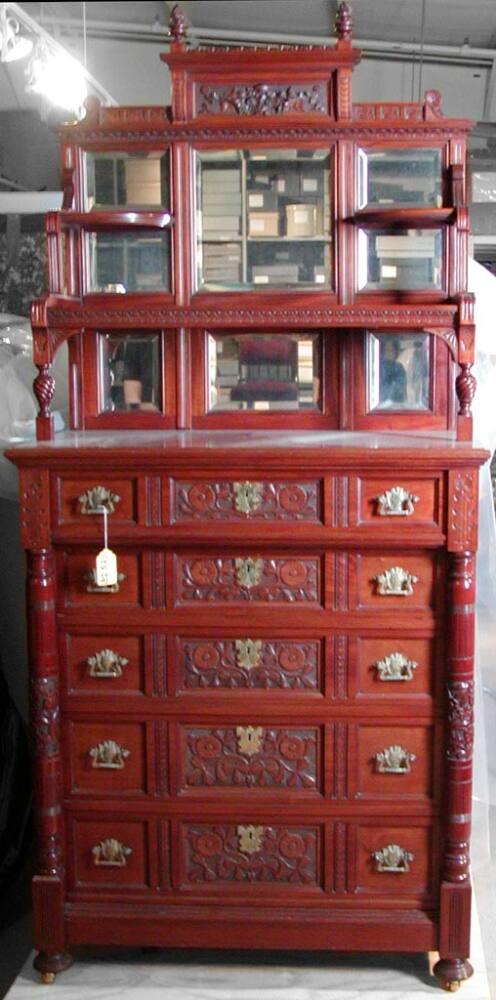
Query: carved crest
[(109, 756), (248, 652), (394, 760), (395, 582), (106, 663), (110, 853), (249, 571), (395, 667), (247, 497), (250, 838), (392, 858), (249, 739), (396, 502), (96, 497)]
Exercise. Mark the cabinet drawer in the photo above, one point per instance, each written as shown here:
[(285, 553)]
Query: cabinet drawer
[(111, 854), (107, 758), (78, 587), (241, 500), (399, 580), (238, 578), (399, 501), (246, 758), (249, 663), (245, 856), (394, 859), (104, 664), (393, 761), (78, 500), (394, 667)]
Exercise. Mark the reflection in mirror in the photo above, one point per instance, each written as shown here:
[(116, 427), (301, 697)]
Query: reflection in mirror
[(130, 371), (127, 180), (135, 261), (405, 260), (399, 177), (264, 371), (398, 371)]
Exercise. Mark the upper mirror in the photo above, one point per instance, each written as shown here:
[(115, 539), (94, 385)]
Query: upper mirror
[(127, 180), (404, 178)]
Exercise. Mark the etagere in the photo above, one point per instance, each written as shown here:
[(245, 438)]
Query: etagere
[(255, 730)]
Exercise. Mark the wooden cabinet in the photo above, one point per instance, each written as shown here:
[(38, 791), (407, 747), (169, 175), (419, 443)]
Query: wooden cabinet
[(257, 729)]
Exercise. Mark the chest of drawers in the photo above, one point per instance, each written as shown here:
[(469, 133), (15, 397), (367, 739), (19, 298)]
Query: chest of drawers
[(261, 736)]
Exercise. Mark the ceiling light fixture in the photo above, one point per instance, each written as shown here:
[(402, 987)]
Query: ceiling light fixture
[(13, 45), (57, 76)]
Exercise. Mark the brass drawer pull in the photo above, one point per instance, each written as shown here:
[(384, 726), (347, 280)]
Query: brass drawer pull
[(106, 663), (250, 838), (110, 853), (392, 858), (247, 497), (109, 756), (395, 582), (394, 760), (395, 667), (93, 588), (249, 739), (248, 652), (396, 502), (96, 497)]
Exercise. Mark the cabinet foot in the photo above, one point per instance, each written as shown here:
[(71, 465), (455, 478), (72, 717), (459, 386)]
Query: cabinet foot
[(48, 964), (452, 972)]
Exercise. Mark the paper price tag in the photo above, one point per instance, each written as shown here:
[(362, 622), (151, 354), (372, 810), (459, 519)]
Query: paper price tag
[(106, 568)]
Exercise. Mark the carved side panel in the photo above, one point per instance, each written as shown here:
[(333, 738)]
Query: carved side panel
[(261, 99), (35, 508), (252, 578), (251, 757), (276, 855), (460, 720), (462, 510), (264, 501), (291, 665)]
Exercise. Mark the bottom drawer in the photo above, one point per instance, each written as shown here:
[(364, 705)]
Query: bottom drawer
[(120, 854)]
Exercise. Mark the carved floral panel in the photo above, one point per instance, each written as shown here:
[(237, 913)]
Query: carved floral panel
[(250, 663), (263, 501), (251, 578), (261, 99), (276, 855), (251, 757)]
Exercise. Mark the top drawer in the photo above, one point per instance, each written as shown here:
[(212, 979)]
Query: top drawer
[(80, 500)]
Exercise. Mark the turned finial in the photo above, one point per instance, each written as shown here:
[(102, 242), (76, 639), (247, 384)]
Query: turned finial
[(178, 24), (344, 21)]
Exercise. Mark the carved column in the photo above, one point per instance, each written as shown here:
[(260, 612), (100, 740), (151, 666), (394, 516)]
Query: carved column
[(48, 885), (455, 889)]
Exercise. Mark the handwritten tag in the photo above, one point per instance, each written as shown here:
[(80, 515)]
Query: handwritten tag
[(106, 568)]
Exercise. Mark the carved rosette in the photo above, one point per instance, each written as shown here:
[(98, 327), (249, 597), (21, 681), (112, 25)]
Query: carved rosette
[(461, 720), (45, 715), (251, 854), (261, 99), (251, 757), (265, 501), (250, 663), (250, 579)]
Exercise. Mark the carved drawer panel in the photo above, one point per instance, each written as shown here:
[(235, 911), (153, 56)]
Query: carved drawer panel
[(242, 500), (80, 500), (246, 854), (79, 587), (397, 580), (253, 578), (397, 501), (393, 761), (110, 854), (393, 859), (394, 667), (107, 758), (103, 664), (251, 756), (289, 665)]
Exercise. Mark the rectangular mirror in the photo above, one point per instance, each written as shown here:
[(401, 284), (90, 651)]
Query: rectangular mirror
[(400, 259), (400, 178), (136, 261), (398, 371), (127, 180), (255, 371), (130, 371)]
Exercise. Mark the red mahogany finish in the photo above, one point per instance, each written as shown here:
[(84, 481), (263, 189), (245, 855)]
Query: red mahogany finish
[(259, 733)]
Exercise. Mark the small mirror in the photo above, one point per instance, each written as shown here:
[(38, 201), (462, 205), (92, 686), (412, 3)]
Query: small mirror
[(127, 180), (399, 178), (398, 371), (130, 371), (403, 260), (135, 261), (264, 371)]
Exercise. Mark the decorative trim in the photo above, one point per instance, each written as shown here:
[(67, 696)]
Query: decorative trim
[(462, 511), (460, 720), (35, 508), (261, 99), (45, 714)]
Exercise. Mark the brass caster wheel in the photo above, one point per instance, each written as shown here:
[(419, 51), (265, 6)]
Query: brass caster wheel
[(450, 985), (47, 978)]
